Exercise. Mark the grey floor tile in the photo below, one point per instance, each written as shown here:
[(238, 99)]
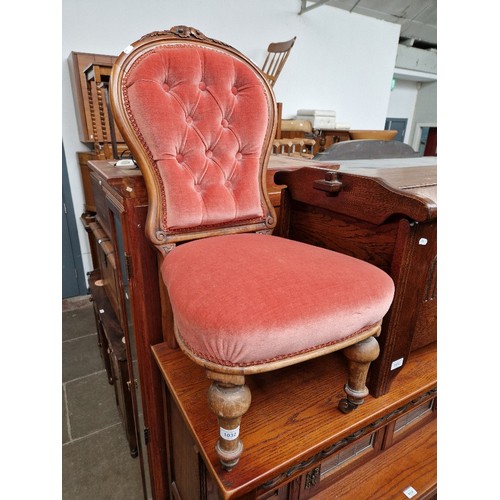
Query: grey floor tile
[(99, 467), (96, 457), (91, 405), (80, 357), (78, 322)]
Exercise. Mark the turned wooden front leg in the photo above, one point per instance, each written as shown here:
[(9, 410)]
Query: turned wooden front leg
[(229, 401), (359, 356)]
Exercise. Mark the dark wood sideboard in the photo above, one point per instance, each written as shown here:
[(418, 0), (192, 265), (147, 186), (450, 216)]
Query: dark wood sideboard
[(297, 445), (125, 269), (384, 212)]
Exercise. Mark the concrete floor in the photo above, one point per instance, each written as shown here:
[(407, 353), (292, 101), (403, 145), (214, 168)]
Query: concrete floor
[(96, 461)]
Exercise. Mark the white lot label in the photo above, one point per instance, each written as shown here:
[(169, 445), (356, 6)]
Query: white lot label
[(229, 435), (397, 363), (410, 492)]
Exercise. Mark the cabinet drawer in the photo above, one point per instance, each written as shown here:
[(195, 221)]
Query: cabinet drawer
[(114, 352), (410, 421), (102, 211), (108, 268)]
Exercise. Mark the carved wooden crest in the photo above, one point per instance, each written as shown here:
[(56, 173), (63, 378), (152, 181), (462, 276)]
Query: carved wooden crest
[(181, 31)]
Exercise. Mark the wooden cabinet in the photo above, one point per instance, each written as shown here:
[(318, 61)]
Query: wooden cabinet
[(89, 79), (111, 340), (124, 288), (384, 212), (296, 443)]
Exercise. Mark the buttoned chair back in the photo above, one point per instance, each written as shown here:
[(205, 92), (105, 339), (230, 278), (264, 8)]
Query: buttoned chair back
[(199, 118)]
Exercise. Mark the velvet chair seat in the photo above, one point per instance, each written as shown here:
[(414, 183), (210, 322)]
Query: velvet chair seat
[(249, 299)]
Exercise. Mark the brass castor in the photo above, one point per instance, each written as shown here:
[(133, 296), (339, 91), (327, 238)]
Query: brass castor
[(346, 406)]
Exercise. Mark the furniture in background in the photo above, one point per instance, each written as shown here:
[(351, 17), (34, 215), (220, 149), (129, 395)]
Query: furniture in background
[(293, 137), (89, 78), (430, 148), (374, 135), (277, 54), (325, 138), (365, 150), (113, 350)]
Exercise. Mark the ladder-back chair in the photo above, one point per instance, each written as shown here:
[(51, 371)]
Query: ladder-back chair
[(277, 54), (199, 118)]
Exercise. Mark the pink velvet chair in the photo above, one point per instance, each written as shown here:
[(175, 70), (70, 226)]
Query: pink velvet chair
[(200, 118)]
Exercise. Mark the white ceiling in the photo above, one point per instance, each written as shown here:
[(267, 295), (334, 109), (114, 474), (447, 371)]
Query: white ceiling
[(417, 18)]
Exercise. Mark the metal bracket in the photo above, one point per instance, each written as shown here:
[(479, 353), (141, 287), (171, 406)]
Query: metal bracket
[(330, 184)]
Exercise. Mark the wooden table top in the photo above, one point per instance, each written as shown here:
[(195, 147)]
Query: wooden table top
[(410, 177)]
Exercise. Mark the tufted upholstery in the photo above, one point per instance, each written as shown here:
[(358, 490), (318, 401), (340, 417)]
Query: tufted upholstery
[(203, 115)]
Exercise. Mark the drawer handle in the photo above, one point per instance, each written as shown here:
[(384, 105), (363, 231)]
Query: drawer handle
[(129, 384)]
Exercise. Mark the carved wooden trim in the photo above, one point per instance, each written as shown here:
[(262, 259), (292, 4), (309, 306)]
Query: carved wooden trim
[(376, 424), (312, 478), (184, 32)]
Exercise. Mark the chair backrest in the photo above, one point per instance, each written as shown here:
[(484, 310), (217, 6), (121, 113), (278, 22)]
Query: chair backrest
[(277, 54), (199, 118)]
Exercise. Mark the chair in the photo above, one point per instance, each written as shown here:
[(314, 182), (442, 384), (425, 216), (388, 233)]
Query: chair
[(296, 146), (277, 54), (199, 118), (292, 141)]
